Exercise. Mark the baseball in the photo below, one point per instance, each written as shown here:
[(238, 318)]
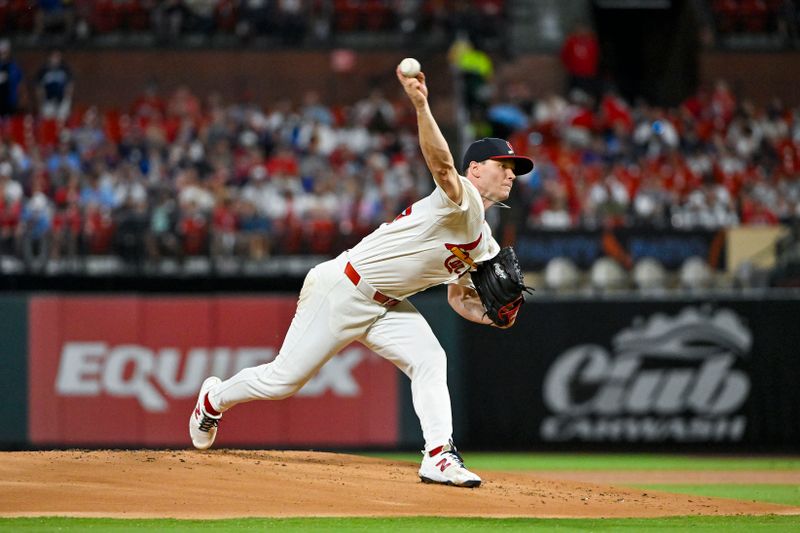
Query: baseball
[(410, 67)]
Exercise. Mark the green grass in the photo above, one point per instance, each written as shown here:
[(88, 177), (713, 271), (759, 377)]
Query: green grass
[(783, 494), (711, 523), (542, 461)]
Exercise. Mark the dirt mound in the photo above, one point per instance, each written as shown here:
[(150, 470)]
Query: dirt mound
[(237, 483)]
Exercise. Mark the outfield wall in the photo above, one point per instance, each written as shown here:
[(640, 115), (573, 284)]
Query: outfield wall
[(633, 373), (629, 373)]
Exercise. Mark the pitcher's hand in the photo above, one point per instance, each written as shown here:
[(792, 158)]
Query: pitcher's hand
[(415, 88)]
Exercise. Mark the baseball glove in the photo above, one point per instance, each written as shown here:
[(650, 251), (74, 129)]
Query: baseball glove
[(500, 285)]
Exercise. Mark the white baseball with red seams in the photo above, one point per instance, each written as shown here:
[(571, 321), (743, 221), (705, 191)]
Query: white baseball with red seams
[(398, 259), (410, 67)]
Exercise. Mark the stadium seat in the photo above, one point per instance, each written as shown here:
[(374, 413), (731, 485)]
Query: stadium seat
[(346, 15), (754, 15), (561, 275), (48, 131), (726, 15), (607, 275), (20, 15), (20, 129), (695, 274), (377, 15)]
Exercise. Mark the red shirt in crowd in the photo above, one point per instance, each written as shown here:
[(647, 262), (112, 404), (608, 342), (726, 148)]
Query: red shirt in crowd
[(580, 54)]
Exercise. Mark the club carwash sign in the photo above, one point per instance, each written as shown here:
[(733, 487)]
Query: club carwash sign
[(667, 378)]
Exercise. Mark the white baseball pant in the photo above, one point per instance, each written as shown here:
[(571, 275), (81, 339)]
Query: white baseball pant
[(332, 313)]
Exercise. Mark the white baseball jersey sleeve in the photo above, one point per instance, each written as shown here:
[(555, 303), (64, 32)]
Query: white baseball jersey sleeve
[(413, 252)]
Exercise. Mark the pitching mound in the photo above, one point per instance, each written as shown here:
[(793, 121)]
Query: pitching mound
[(238, 483)]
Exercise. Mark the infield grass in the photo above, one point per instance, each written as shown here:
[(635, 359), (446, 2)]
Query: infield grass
[(782, 494), (543, 461), (715, 524)]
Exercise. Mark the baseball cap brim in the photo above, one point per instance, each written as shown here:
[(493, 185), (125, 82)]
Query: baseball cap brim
[(522, 164)]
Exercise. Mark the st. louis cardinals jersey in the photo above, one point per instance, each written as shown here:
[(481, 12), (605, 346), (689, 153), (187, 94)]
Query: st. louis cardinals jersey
[(415, 251)]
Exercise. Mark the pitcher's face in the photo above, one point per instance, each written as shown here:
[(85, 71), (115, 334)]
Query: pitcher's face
[(497, 177)]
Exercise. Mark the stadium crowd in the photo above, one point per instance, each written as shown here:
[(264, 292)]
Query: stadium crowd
[(176, 175), (714, 161), (288, 21)]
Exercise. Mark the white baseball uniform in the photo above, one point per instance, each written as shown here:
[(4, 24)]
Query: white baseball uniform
[(361, 296)]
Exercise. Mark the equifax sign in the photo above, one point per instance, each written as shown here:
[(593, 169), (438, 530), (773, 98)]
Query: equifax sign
[(155, 375), (125, 371)]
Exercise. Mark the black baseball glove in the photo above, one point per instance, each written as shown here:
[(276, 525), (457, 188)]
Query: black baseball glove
[(500, 285)]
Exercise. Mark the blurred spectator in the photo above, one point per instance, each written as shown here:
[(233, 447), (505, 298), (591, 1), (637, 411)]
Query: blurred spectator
[(255, 18), (131, 231), (224, 228), (35, 231), (161, 238), (98, 229), (10, 79), (292, 18), (237, 180), (168, 17), (183, 104), (606, 203), (200, 15), (54, 87), (255, 229), (11, 200), (64, 158), (97, 192), (149, 105), (67, 222), (756, 212), (54, 14), (580, 55), (375, 112), (89, 137), (650, 203), (510, 113), (476, 70), (551, 210), (409, 14)]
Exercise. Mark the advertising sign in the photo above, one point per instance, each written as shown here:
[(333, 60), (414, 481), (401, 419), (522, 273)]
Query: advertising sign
[(126, 371), (669, 378), (639, 373)]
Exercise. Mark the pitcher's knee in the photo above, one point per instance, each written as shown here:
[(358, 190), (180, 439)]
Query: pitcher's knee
[(283, 391), (433, 366)]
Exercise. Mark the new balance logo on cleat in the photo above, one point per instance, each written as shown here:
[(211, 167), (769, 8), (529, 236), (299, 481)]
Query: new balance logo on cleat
[(446, 467)]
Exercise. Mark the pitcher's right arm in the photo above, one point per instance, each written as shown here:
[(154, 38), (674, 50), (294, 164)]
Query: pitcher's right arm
[(431, 141)]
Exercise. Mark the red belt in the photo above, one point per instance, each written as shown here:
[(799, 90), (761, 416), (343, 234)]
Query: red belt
[(378, 296)]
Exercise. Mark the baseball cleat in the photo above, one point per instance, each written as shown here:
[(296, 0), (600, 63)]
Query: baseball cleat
[(203, 426), (446, 466)]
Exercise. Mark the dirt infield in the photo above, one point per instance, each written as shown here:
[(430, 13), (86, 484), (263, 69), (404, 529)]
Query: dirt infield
[(239, 483)]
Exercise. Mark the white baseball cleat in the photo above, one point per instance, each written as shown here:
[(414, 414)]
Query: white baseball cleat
[(203, 426), (446, 466)]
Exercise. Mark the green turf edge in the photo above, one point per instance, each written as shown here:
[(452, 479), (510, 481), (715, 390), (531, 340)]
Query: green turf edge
[(760, 492), (544, 461), (771, 523)]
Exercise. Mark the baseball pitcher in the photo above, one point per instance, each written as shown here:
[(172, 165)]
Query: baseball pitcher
[(362, 295)]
